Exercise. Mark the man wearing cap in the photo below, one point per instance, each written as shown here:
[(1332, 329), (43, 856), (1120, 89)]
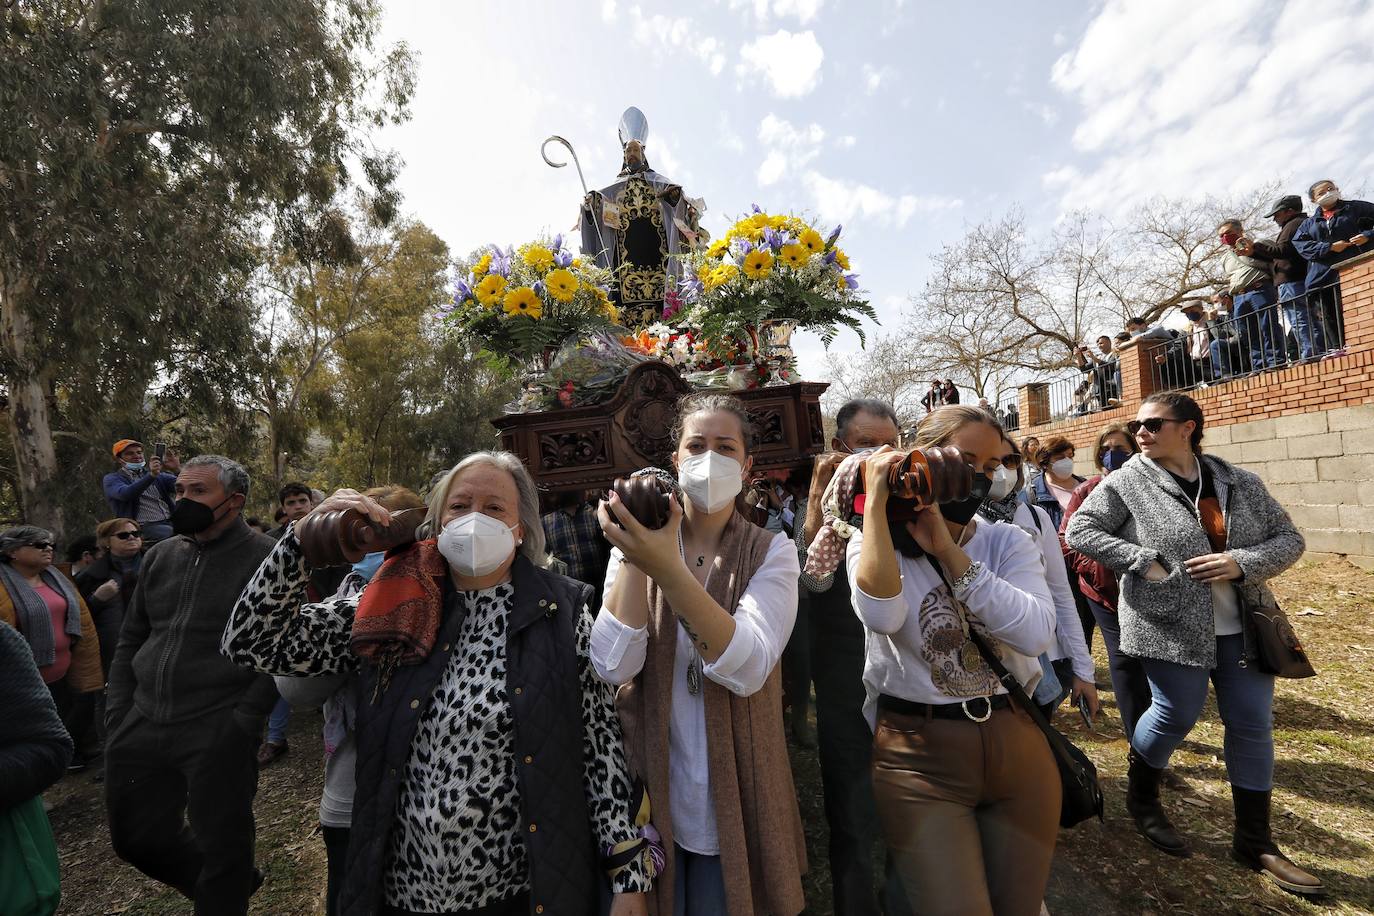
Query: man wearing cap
[(1250, 281), (142, 491), (1337, 230), (1290, 275)]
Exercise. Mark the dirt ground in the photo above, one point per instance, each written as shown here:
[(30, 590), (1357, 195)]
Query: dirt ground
[(1324, 800)]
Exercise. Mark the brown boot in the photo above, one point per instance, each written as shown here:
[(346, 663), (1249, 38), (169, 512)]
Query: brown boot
[(1142, 800), (1254, 847)]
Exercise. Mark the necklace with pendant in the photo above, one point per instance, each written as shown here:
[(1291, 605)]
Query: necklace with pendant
[(694, 666)]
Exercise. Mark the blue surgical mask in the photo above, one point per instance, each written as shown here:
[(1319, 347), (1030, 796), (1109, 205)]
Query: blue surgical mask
[(135, 466), (1115, 459), (367, 567)]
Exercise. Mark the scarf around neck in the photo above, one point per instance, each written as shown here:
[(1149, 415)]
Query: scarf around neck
[(31, 611), (762, 847)]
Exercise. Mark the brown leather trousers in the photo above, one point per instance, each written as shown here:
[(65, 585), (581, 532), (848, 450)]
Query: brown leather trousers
[(970, 811)]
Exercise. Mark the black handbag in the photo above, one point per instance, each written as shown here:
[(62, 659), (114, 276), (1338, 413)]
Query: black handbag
[(1279, 650), (1082, 795)]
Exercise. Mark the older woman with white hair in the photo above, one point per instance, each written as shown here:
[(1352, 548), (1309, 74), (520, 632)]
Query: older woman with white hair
[(490, 773)]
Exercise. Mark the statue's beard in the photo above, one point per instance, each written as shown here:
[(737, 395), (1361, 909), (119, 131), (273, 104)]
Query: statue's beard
[(629, 167)]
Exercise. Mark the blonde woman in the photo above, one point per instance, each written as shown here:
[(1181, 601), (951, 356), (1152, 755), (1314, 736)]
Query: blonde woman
[(966, 787)]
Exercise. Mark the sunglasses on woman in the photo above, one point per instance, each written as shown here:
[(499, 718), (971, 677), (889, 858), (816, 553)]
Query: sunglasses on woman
[(42, 545), (129, 535), (1152, 425), (1012, 462)]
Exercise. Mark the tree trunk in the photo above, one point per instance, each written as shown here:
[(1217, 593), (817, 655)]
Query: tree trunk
[(35, 459)]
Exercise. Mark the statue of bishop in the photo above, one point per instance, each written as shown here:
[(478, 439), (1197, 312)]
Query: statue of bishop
[(634, 225)]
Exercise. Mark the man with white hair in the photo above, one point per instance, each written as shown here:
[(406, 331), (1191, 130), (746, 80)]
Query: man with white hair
[(183, 721)]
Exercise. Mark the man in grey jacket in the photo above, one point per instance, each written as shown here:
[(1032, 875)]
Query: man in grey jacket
[(182, 721)]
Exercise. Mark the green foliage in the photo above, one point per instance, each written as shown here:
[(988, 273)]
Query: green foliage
[(143, 143)]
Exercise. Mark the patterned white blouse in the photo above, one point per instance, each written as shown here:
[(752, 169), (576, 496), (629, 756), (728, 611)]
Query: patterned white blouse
[(456, 843)]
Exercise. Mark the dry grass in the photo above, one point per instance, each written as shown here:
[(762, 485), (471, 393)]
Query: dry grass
[(1324, 800)]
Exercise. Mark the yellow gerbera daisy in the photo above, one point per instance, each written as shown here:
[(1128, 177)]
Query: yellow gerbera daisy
[(490, 290), (841, 259), (562, 285), (794, 255), (842, 285), (717, 249), (703, 272), (761, 221), (482, 266), (538, 257), (812, 240), (720, 276), (523, 301), (758, 264), (610, 311)]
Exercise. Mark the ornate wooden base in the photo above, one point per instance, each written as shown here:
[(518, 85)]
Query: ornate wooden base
[(588, 447)]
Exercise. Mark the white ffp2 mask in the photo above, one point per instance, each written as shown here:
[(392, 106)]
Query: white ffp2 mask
[(710, 480), (1062, 468), (1002, 482), (475, 544)]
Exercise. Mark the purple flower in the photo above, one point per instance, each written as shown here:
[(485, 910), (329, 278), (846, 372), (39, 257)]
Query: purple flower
[(742, 248), (562, 257), (461, 292), (558, 241), (834, 234), (500, 261), (756, 208), (691, 289), (831, 257), (539, 288), (851, 281), (772, 239)]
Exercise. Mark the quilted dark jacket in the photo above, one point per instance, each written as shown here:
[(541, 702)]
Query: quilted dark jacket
[(546, 705)]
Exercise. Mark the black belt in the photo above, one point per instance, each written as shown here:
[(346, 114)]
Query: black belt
[(974, 709)]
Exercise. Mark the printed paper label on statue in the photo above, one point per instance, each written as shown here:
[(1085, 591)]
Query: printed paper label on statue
[(610, 215)]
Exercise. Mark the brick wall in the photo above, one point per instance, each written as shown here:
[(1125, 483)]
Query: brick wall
[(1308, 431)]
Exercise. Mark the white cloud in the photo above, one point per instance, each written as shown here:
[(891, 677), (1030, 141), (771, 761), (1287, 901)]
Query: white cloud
[(608, 10), (789, 148), (1186, 98), (847, 141), (803, 11), (727, 136), (773, 167), (791, 62), (874, 77), (841, 201), (672, 34), (1046, 113)]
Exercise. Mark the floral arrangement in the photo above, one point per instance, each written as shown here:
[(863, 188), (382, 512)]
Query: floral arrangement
[(768, 268), (710, 362), (523, 303)]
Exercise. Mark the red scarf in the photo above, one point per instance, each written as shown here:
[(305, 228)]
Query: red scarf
[(398, 615)]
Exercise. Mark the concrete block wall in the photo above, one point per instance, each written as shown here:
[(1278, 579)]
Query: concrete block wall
[(1308, 431)]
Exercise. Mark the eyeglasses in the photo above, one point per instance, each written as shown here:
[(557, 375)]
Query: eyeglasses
[(42, 545), (1152, 425), (1013, 462), (129, 535)]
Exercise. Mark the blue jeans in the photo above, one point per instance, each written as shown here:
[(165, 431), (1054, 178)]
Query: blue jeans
[(1306, 326), (1245, 700), (698, 885), (1129, 685), (1257, 320), (277, 721)]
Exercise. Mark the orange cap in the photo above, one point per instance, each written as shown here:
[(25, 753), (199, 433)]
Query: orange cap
[(122, 444)]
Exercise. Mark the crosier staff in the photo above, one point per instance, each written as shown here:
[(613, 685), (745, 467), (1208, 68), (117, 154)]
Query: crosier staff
[(586, 194)]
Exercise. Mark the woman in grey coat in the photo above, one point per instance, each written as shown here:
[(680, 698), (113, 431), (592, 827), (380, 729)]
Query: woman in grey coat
[(1194, 540)]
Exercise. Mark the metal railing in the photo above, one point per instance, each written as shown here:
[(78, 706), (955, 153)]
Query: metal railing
[(1090, 390), (1260, 335), (1008, 412)]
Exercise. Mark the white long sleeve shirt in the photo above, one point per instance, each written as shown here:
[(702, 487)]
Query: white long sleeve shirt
[(1068, 627), (763, 623), (914, 639)]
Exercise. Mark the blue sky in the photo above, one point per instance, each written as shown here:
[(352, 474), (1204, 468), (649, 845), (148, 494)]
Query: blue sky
[(906, 121)]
